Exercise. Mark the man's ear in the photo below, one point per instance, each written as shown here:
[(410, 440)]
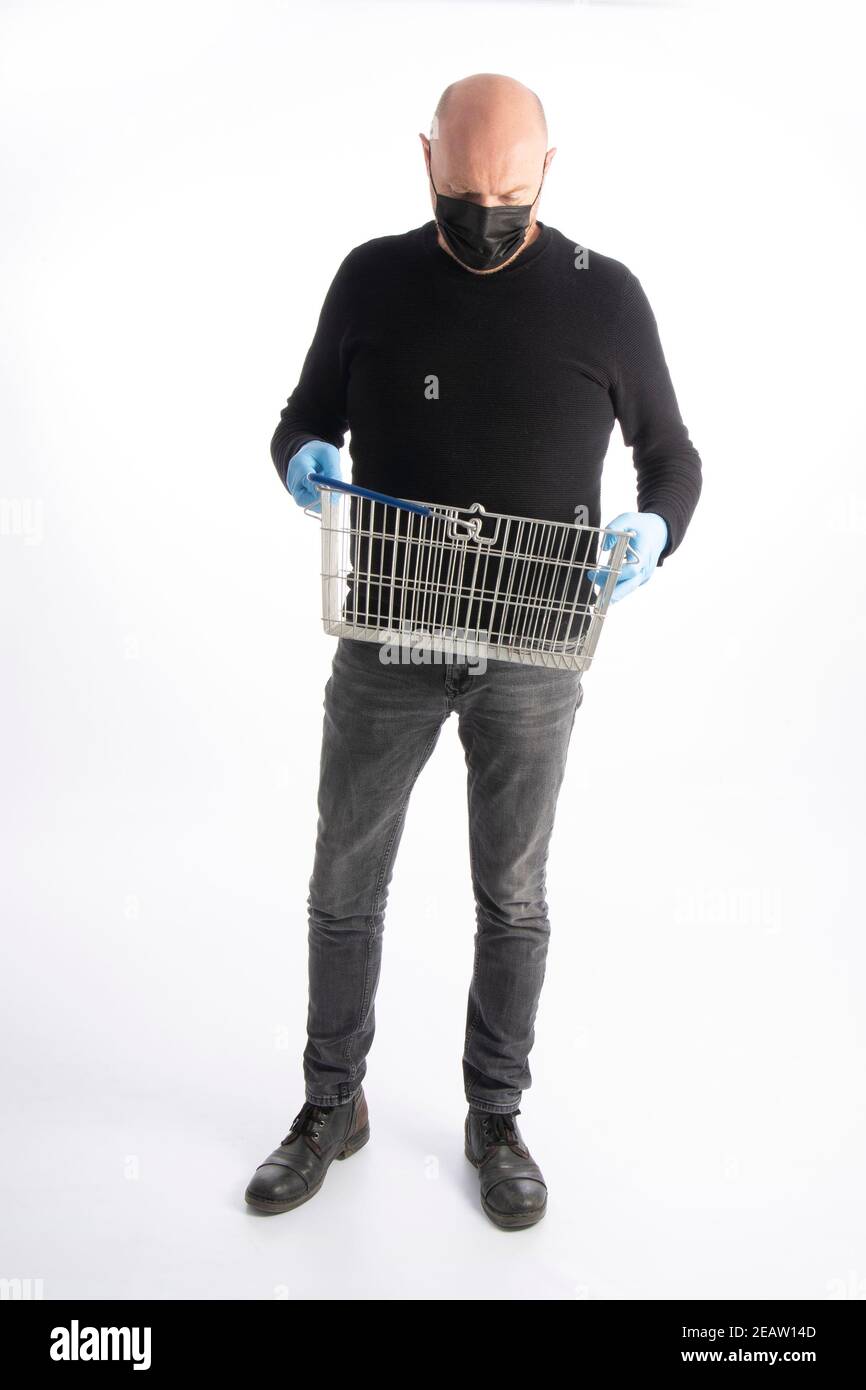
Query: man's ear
[(425, 145), (548, 158)]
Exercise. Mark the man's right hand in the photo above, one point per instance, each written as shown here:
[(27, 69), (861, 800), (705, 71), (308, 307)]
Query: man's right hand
[(313, 457)]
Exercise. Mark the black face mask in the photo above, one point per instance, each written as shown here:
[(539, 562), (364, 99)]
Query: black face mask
[(482, 238)]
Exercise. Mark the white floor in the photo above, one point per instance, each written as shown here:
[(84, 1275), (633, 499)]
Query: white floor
[(697, 1105)]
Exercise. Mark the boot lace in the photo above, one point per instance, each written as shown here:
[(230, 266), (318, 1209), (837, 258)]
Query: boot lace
[(307, 1123), (499, 1129)]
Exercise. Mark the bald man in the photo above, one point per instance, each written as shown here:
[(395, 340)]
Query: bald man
[(482, 357)]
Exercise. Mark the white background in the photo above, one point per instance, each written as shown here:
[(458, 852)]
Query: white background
[(180, 182)]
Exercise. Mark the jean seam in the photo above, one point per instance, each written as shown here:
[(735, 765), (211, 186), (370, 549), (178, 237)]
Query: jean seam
[(471, 1024)]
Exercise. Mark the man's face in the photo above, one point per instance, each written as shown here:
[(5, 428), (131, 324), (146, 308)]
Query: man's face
[(492, 166), (487, 173)]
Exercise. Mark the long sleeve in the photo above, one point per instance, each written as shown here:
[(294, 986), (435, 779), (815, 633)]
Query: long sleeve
[(668, 465), (316, 409)]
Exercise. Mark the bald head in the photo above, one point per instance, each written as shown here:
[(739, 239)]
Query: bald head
[(490, 97), (488, 145)]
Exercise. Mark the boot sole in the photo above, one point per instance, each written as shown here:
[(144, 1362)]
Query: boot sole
[(519, 1222), (273, 1208)]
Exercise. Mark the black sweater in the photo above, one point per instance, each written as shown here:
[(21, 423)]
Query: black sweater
[(500, 389)]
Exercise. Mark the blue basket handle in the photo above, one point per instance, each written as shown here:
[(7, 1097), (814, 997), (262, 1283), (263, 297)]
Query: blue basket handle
[(337, 485)]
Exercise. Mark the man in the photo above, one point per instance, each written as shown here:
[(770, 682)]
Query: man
[(481, 357)]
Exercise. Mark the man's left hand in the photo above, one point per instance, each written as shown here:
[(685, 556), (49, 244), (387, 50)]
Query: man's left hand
[(649, 540)]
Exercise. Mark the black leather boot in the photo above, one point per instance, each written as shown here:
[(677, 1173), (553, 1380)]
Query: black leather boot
[(295, 1171), (513, 1191)]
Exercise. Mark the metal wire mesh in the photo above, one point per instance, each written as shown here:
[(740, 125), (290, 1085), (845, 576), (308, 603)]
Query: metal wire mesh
[(465, 580)]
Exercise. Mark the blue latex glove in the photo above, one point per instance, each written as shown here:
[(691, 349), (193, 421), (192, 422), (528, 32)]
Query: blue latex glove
[(314, 457), (649, 540)]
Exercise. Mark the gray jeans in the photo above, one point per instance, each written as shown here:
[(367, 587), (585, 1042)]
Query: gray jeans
[(381, 725)]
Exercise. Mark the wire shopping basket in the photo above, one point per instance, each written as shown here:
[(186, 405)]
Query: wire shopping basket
[(463, 580)]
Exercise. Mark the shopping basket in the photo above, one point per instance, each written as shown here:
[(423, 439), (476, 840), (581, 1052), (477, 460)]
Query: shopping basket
[(462, 580)]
